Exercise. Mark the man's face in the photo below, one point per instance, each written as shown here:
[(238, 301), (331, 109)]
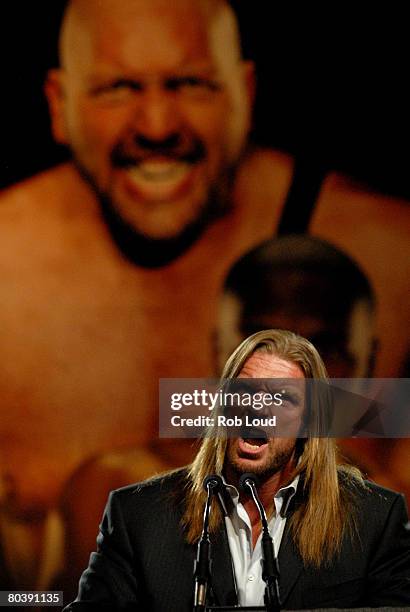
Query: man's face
[(345, 342), (154, 102), (270, 456)]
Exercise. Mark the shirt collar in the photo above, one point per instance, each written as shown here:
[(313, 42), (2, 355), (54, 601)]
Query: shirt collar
[(282, 497)]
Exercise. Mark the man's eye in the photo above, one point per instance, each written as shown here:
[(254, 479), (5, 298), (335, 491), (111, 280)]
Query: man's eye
[(292, 401), (192, 84), (117, 88)]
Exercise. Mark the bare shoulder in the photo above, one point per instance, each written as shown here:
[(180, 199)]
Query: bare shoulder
[(35, 191), (346, 206), (261, 188), (268, 158), (43, 207), (267, 168), (338, 187)]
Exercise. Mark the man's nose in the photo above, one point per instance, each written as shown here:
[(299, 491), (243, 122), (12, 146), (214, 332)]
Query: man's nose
[(157, 116)]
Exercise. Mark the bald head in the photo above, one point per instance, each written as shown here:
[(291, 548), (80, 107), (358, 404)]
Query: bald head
[(90, 19)]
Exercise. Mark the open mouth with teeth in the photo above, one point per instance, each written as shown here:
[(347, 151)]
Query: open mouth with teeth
[(253, 439), (159, 171), (159, 179)]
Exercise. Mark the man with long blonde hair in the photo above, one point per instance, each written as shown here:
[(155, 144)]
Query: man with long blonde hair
[(342, 541)]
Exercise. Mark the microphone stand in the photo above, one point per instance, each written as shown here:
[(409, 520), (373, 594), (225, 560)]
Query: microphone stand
[(202, 565), (270, 572), (202, 568)]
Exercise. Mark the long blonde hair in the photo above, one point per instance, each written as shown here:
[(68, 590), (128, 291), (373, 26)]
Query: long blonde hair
[(327, 509)]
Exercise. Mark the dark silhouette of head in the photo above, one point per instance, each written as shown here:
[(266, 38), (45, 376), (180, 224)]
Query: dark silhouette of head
[(310, 287)]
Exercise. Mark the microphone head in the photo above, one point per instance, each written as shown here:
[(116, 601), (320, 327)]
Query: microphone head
[(247, 477), (214, 481)]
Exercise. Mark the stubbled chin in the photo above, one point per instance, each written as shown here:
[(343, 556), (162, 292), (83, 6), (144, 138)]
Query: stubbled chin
[(243, 457), (159, 182)]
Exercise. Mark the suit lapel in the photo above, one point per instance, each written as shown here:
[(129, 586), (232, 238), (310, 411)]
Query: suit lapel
[(223, 585), (290, 565), (290, 562), (289, 559)]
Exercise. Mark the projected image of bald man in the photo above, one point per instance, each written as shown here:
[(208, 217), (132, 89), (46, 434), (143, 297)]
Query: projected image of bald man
[(153, 99)]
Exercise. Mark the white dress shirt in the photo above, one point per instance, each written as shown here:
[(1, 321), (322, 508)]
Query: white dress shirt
[(247, 563)]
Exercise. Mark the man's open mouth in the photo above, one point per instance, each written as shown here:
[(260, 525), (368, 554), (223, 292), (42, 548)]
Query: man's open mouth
[(159, 171), (253, 438), (159, 179)]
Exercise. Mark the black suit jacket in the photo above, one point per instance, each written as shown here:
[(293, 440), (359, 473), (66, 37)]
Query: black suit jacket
[(143, 562)]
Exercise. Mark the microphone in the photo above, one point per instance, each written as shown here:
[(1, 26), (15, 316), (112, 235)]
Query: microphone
[(248, 483), (215, 481), (217, 485), (202, 567)]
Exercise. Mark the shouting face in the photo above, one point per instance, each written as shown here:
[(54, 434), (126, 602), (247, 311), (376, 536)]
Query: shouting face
[(267, 456), (154, 101)]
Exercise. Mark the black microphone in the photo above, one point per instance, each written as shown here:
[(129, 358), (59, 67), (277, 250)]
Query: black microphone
[(202, 567), (217, 489), (248, 483), (215, 481)]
